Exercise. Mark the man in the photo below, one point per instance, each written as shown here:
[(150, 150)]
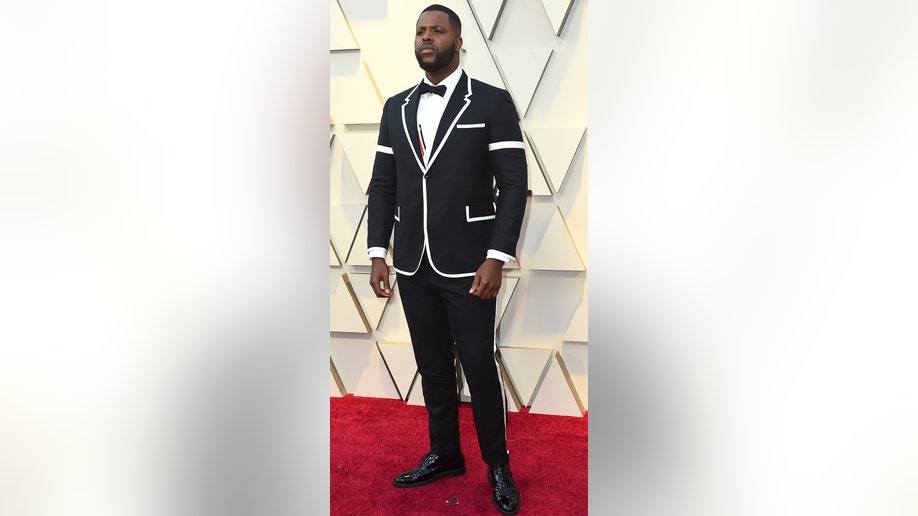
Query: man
[(443, 146)]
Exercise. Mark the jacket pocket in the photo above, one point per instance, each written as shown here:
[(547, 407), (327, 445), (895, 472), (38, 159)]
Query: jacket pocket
[(471, 126), (479, 212)]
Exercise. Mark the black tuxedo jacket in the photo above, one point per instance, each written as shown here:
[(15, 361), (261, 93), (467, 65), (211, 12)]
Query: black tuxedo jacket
[(449, 206)]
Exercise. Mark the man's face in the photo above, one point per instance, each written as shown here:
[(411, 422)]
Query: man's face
[(435, 41)]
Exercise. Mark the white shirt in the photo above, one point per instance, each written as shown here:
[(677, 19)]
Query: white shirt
[(431, 107)]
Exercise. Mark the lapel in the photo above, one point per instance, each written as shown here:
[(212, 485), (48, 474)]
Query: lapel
[(458, 102), (410, 124)]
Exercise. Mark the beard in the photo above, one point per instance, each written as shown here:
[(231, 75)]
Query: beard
[(440, 60)]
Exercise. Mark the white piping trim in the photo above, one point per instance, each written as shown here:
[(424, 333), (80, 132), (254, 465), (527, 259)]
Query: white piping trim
[(469, 218), (469, 126), (408, 135), (445, 275), (500, 377), (453, 123), (384, 149), (427, 240), (398, 213), (505, 145)]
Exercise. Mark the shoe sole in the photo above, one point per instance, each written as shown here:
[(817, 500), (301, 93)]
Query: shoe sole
[(451, 473), (501, 510)]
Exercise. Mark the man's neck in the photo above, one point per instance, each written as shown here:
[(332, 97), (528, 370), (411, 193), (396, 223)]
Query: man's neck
[(437, 76)]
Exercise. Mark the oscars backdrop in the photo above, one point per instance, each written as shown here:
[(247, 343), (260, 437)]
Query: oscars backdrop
[(536, 49)]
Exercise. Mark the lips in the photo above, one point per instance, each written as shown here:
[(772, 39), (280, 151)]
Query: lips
[(426, 49)]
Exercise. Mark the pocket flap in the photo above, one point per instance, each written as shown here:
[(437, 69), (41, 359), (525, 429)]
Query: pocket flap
[(482, 211)]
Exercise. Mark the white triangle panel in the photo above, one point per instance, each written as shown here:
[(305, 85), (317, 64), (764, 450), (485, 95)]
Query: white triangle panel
[(335, 386), (556, 147), (525, 367), (576, 359), (375, 382), (556, 250), (578, 329), (537, 184), (333, 260), (358, 252), (556, 395), (360, 151), (523, 70), (355, 99), (345, 312), (340, 36), (351, 354), (344, 220), (333, 389), (399, 358), (373, 307), (487, 13), (507, 288), (558, 11), (344, 185)]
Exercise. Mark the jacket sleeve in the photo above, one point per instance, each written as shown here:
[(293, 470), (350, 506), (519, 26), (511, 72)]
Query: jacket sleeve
[(381, 200), (508, 164)]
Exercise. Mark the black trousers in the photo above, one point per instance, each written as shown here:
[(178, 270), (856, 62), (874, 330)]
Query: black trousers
[(441, 311)]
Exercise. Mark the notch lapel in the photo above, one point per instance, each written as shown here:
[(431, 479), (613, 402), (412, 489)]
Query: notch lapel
[(410, 124), (458, 102)]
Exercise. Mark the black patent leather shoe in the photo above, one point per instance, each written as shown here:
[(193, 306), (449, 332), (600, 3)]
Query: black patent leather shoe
[(432, 467), (506, 497)]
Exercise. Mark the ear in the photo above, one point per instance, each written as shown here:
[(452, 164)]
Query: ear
[(458, 43)]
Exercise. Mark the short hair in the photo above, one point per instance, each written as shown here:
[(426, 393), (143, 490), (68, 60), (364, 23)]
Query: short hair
[(453, 17)]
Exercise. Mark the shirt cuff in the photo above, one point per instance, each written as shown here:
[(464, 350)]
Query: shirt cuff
[(497, 255), (377, 252)]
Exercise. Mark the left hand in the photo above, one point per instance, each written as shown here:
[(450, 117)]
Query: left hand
[(487, 279)]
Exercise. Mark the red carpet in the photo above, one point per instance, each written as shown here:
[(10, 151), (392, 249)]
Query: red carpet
[(373, 440)]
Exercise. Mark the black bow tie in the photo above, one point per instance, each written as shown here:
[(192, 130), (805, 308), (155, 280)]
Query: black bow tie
[(427, 88)]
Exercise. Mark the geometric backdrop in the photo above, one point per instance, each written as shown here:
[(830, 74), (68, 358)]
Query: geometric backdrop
[(537, 50)]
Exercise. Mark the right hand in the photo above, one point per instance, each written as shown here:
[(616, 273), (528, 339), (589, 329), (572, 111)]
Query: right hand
[(379, 278)]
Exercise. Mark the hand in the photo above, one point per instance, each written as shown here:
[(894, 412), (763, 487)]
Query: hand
[(487, 279), (379, 278)]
